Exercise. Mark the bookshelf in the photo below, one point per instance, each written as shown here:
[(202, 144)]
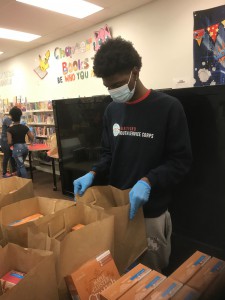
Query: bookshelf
[(38, 116)]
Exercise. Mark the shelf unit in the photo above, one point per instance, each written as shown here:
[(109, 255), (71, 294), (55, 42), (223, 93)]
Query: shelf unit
[(39, 117)]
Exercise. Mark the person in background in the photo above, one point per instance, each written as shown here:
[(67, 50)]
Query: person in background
[(145, 145), (6, 122), (16, 138)]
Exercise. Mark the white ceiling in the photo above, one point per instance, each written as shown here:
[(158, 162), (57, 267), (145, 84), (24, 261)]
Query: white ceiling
[(52, 26)]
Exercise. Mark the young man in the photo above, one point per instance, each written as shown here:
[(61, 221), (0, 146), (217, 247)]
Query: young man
[(145, 143)]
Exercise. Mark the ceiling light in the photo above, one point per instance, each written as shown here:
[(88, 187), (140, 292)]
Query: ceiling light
[(76, 8), (17, 35), (1, 52)]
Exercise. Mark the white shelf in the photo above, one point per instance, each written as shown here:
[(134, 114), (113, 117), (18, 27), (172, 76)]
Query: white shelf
[(40, 124), (41, 136), (38, 110)]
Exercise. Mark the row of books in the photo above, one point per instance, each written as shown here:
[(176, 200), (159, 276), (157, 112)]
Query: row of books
[(41, 105), (25, 106), (43, 131), (39, 118)]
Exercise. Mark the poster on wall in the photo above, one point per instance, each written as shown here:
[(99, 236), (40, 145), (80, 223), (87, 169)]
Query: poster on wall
[(41, 69), (209, 46), (72, 62)]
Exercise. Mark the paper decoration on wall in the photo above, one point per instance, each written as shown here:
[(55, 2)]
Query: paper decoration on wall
[(198, 35), (213, 31), (101, 36), (43, 65), (209, 46)]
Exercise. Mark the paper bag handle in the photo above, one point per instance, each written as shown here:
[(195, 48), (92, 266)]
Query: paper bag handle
[(58, 233)]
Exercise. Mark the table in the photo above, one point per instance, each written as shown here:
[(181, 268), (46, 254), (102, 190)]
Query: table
[(41, 147), (53, 157), (35, 148)]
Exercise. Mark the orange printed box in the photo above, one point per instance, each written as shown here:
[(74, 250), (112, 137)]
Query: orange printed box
[(93, 277), (127, 281), (166, 290), (77, 227), (209, 273), (30, 218), (144, 287), (190, 267), (10, 279), (186, 293)]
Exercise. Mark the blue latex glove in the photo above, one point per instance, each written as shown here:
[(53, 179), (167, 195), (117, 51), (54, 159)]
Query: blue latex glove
[(82, 183), (138, 195)]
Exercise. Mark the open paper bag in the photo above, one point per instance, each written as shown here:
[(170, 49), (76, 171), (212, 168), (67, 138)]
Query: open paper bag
[(39, 283), (14, 189), (130, 235), (21, 209), (73, 248)]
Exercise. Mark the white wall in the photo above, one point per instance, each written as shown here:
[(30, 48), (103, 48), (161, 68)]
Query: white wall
[(162, 32)]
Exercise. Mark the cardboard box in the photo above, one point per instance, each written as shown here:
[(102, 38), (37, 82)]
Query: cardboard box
[(207, 275), (216, 290), (10, 279), (77, 227), (127, 281), (144, 287), (167, 289), (190, 267), (26, 220), (94, 276), (186, 293)]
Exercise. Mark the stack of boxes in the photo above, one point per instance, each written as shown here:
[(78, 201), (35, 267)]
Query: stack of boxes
[(199, 277), (203, 274)]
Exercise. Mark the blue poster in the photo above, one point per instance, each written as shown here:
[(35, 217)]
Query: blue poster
[(209, 46)]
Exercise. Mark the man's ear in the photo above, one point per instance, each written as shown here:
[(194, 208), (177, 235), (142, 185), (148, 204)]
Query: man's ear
[(136, 72)]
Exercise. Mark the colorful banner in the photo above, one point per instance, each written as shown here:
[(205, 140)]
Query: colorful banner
[(209, 46), (72, 62)]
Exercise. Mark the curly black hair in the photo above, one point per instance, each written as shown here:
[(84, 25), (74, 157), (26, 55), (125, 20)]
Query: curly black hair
[(15, 113), (115, 56)]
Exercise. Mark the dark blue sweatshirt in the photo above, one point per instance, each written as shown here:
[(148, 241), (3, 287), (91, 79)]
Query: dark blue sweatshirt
[(146, 138)]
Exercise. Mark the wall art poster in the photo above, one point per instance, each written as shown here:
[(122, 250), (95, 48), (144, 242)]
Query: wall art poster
[(209, 46)]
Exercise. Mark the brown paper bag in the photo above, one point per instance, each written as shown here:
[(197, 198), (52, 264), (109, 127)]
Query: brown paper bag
[(73, 248), (39, 283), (14, 189), (53, 152), (21, 209), (130, 235), (3, 241)]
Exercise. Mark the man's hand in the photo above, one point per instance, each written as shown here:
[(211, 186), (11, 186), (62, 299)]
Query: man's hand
[(82, 183), (138, 195)]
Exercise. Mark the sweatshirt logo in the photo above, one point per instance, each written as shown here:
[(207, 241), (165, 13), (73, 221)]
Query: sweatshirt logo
[(131, 131), (116, 129)]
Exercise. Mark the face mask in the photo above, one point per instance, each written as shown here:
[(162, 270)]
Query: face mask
[(122, 94)]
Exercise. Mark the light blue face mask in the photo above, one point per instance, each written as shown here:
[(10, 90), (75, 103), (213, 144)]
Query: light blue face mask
[(122, 94)]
